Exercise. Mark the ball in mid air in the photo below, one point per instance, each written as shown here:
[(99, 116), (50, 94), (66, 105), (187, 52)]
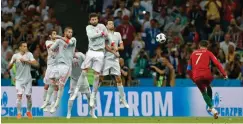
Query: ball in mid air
[(161, 38)]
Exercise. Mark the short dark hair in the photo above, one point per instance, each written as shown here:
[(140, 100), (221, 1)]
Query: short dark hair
[(203, 43), (91, 15), (108, 21), (68, 28), (50, 32), (21, 42)]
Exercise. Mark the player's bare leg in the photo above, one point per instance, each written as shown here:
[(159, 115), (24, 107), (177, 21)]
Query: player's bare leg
[(29, 106), (19, 104), (121, 91)]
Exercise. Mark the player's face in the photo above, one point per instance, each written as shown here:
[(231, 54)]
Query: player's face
[(23, 47), (110, 25), (53, 35), (69, 33), (94, 21)]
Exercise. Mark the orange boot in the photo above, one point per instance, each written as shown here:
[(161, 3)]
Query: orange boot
[(19, 116), (29, 115)]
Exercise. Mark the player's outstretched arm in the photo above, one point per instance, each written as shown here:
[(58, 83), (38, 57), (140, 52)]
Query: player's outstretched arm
[(91, 33), (55, 44), (217, 64)]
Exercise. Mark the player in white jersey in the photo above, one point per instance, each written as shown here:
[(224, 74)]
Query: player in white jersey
[(51, 67), (23, 60), (97, 34), (75, 77), (111, 64), (66, 45)]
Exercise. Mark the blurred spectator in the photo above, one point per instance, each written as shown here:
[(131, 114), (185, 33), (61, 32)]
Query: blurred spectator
[(145, 23), (229, 7), (148, 5), (5, 49), (236, 33), (137, 11), (233, 68), (137, 45), (163, 19), (124, 72), (240, 19), (217, 35), (173, 58), (122, 8), (9, 9), (150, 37), (37, 72), (118, 19), (42, 9), (127, 32), (225, 44), (231, 55), (141, 60), (6, 22), (213, 11), (176, 29), (165, 74)]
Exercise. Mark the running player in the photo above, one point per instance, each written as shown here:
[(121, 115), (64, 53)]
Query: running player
[(23, 60), (200, 72), (111, 64), (66, 46), (51, 67), (94, 59), (76, 72)]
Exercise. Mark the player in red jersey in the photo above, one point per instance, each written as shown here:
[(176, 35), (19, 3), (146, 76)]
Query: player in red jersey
[(199, 71)]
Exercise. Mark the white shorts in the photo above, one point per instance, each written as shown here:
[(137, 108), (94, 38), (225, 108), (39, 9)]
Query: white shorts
[(51, 73), (24, 87), (93, 60), (73, 84), (111, 67), (64, 72)]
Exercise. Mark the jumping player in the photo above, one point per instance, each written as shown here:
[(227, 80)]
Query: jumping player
[(199, 71), (111, 64), (51, 67), (75, 74), (66, 45), (94, 59), (23, 60)]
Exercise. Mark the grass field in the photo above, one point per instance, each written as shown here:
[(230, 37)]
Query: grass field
[(125, 120)]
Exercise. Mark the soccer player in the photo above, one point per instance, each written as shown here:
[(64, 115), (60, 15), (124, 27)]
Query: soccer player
[(111, 64), (66, 46), (23, 60), (97, 34), (75, 74), (199, 71), (51, 67)]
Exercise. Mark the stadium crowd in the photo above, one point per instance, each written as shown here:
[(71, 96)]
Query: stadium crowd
[(185, 23)]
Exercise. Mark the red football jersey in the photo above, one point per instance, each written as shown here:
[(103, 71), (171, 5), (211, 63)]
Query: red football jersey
[(199, 64)]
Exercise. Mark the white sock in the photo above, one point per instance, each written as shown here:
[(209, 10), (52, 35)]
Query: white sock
[(95, 86), (55, 95), (45, 94), (214, 111), (19, 105), (59, 95), (29, 105), (49, 93), (70, 106), (121, 92)]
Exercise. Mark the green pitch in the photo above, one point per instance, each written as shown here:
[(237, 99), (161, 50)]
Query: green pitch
[(125, 120)]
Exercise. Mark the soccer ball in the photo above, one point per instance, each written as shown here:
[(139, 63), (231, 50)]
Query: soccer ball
[(161, 38)]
